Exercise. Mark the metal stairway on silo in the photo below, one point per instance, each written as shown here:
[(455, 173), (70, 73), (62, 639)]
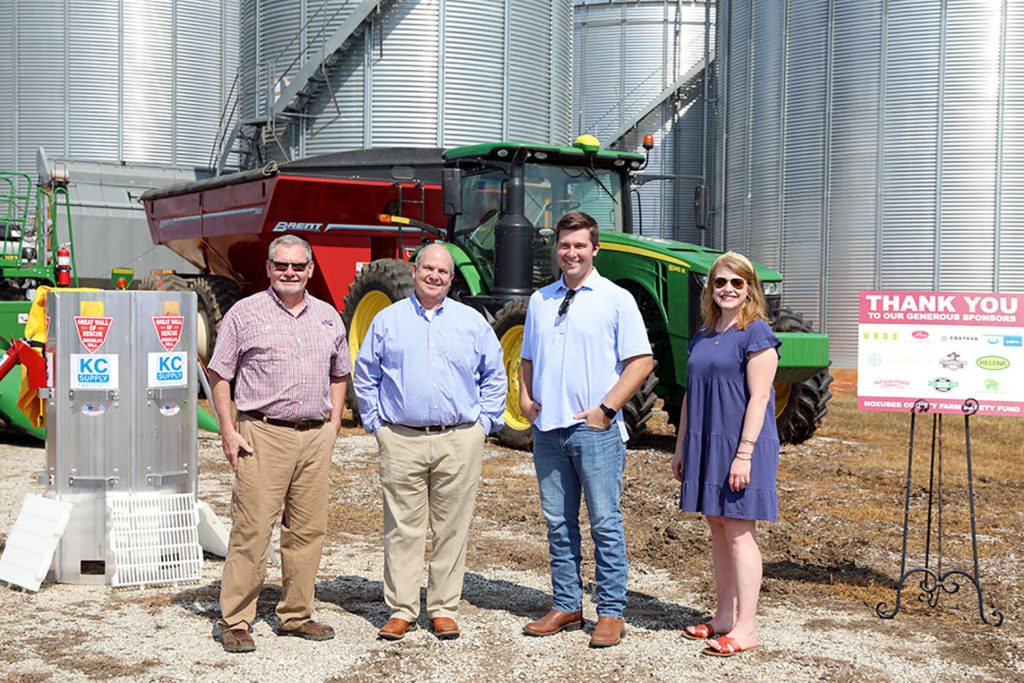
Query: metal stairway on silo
[(284, 94)]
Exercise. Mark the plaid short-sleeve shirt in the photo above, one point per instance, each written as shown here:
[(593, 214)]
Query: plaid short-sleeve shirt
[(282, 363)]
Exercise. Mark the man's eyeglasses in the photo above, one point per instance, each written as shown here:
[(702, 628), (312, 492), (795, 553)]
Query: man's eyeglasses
[(565, 302), (283, 266), (736, 282)]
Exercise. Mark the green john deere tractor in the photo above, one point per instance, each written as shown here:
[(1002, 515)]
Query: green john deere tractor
[(503, 201)]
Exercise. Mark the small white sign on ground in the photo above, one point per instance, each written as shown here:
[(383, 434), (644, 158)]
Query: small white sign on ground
[(33, 540)]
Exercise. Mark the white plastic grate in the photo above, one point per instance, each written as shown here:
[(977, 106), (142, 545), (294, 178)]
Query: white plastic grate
[(154, 539), (33, 540)]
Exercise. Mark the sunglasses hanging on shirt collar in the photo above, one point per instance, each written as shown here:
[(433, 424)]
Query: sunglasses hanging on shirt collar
[(565, 302)]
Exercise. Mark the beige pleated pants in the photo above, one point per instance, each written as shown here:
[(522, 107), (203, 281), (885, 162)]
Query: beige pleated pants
[(427, 477)]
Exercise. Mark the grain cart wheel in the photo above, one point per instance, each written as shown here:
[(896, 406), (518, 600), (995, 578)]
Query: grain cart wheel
[(378, 285), (214, 295), (799, 406), (638, 409), (508, 327), (164, 282)]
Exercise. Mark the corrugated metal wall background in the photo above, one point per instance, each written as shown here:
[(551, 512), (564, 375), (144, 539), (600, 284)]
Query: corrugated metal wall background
[(114, 80), (872, 145), (625, 53), (424, 73)]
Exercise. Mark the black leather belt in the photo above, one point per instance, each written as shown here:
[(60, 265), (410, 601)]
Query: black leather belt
[(299, 425), (433, 429)]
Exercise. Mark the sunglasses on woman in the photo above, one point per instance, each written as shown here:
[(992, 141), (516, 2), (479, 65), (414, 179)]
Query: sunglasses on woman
[(736, 282)]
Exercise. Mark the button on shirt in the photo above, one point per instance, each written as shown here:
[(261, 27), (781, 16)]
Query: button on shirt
[(420, 368), (282, 363), (578, 357)]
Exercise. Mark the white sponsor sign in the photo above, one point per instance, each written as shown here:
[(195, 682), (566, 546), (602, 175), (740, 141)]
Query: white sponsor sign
[(93, 371), (168, 369)]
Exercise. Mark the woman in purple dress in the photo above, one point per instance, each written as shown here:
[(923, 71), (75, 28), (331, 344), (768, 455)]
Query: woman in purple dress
[(727, 450)]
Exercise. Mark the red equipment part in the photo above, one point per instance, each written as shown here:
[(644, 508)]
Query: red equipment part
[(22, 352), (63, 266)]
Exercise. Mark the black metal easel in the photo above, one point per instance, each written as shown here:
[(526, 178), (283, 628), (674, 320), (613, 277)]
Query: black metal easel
[(932, 581)]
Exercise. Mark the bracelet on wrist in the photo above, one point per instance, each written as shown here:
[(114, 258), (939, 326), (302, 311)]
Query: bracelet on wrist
[(752, 442), (739, 456)]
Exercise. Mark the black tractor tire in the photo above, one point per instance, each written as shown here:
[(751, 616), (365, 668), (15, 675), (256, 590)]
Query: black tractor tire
[(164, 282), (799, 406), (639, 408), (214, 295), (508, 327), (378, 285)]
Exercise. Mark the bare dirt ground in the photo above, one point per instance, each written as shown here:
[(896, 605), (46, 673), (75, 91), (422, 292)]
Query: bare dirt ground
[(832, 556)]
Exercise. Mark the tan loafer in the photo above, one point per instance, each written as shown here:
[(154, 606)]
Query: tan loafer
[(608, 632), (396, 629), (553, 622)]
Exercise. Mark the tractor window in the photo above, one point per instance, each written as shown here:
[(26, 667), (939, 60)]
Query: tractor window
[(474, 228)]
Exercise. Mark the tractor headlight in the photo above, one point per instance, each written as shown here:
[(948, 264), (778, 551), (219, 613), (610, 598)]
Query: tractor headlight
[(772, 288)]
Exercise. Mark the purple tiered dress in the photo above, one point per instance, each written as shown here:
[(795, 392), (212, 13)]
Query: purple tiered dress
[(716, 401)]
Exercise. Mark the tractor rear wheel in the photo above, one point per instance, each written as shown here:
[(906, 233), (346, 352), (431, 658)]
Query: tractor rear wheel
[(639, 407), (215, 295), (378, 285), (508, 327), (799, 406)]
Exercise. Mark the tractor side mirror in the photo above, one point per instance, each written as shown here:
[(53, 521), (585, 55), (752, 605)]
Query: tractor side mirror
[(451, 191)]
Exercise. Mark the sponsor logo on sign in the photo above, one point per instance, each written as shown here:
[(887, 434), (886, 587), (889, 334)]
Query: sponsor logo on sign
[(882, 336), (92, 331), (991, 385), (93, 372), (958, 338), (892, 383), (1011, 340), (167, 369), (919, 334), (168, 329), (874, 359), (952, 361), (993, 338), (943, 384), (993, 363), (284, 226)]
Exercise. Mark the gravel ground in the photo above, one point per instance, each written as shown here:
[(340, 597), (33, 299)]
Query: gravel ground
[(75, 632)]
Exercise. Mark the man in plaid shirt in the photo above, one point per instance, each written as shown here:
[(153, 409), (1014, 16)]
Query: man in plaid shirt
[(288, 357)]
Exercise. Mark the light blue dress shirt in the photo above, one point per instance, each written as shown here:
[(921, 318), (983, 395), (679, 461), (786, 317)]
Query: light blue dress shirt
[(578, 357), (419, 369)]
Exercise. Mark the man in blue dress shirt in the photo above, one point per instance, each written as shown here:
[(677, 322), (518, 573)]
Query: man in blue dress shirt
[(585, 353), (431, 384)]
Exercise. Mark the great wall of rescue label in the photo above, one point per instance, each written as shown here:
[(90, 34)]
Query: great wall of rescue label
[(944, 347), (93, 331), (168, 329)]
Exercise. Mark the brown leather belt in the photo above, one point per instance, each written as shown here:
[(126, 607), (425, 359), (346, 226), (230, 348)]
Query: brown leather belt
[(299, 425), (433, 429)]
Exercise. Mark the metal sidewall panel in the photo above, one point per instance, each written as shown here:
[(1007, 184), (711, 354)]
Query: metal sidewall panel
[(871, 145)]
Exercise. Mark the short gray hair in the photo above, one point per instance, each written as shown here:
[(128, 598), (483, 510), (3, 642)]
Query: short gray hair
[(419, 254), (290, 241)]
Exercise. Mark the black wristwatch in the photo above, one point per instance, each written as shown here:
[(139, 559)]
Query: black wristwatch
[(608, 412)]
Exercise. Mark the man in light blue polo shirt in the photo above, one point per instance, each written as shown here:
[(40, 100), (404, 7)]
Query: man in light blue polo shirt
[(585, 353), (431, 384)]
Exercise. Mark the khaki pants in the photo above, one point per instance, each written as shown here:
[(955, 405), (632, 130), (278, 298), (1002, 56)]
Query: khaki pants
[(427, 474), (289, 469)]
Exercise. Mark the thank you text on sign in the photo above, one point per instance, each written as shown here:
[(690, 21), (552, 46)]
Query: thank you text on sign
[(944, 347)]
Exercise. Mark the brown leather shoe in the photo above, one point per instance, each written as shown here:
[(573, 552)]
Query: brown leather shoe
[(395, 629), (444, 628), (237, 640), (553, 622), (608, 632), (310, 630)]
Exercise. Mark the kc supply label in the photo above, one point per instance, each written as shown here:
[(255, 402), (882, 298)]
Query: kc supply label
[(89, 371), (168, 369), (944, 347)]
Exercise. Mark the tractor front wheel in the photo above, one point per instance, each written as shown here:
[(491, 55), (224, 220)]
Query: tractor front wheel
[(378, 285), (508, 327), (799, 406)]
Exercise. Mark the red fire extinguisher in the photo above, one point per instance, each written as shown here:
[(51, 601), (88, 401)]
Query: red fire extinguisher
[(63, 266)]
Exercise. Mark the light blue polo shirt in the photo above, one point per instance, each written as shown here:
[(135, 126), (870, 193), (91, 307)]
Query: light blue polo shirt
[(577, 358)]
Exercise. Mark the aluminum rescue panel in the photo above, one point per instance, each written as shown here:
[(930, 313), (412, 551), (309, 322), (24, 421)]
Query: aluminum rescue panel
[(121, 417)]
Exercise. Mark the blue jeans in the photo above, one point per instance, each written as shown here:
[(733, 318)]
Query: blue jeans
[(570, 460)]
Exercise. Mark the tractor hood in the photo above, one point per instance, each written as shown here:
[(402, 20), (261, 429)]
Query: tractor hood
[(691, 257)]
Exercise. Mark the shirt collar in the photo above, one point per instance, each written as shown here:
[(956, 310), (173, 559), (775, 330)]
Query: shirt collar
[(418, 307), (277, 300), (589, 282)]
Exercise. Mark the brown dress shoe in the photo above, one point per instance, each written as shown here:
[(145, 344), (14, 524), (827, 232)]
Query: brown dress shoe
[(553, 622), (237, 640), (395, 629), (444, 628), (608, 632), (310, 630)]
